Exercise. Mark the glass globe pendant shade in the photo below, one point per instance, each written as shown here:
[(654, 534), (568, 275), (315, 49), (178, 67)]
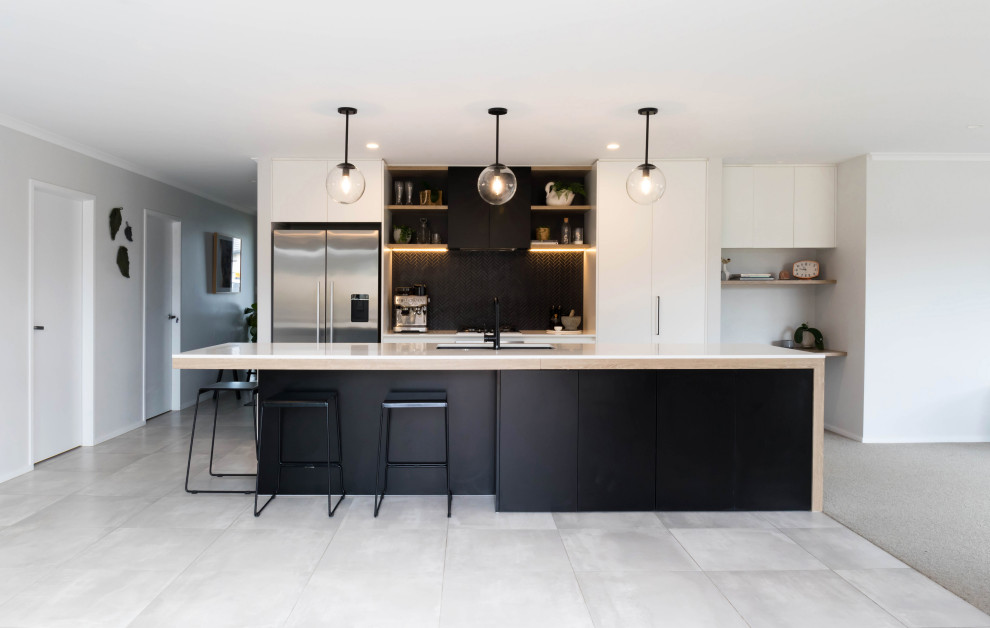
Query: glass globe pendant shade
[(345, 184), (497, 184), (646, 184)]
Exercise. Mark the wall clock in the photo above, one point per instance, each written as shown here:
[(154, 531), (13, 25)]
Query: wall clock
[(805, 269)]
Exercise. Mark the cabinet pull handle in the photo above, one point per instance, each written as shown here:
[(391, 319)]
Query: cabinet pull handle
[(658, 316), (330, 319)]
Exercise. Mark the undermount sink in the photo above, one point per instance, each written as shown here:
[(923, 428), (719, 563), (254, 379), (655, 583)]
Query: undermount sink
[(487, 346)]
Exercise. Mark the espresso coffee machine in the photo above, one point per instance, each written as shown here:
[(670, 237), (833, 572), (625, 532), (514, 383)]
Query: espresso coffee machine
[(409, 305)]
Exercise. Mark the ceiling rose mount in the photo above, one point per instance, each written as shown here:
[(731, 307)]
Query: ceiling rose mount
[(497, 183), (345, 183), (646, 184)]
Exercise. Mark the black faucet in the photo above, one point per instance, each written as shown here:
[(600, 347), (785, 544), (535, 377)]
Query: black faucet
[(496, 338)]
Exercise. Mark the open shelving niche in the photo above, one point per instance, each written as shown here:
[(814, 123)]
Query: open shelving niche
[(581, 213)]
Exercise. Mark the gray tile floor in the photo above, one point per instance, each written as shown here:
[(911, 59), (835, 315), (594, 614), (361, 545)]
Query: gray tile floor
[(105, 536)]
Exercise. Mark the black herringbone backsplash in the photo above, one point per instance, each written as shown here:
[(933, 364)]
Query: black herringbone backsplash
[(461, 285)]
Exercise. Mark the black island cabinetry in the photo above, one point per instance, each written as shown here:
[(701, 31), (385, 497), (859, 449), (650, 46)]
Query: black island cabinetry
[(664, 440), (565, 440)]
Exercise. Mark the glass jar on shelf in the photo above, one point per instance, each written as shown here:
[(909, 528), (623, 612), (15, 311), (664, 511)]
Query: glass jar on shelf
[(423, 237)]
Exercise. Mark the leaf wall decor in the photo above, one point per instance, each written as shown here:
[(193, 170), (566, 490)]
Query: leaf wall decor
[(123, 262), (116, 218), (128, 233)]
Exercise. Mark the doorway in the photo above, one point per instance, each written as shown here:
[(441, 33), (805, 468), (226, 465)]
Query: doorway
[(162, 304), (61, 310)]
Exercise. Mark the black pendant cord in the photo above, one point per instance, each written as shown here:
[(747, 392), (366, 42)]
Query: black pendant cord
[(347, 133), (646, 156), (496, 139)]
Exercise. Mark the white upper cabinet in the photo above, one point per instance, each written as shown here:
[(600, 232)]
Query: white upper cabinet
[(814, 207), (299, 192), (773, 207), (778, 207), (737, 208), (651, 259)]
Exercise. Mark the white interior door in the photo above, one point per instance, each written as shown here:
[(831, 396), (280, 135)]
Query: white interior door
[(57, 297), (161, 313)]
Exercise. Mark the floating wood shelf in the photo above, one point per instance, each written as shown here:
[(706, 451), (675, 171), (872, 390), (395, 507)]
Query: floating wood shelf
[(828, 353), (561, 168), (417, 247), (561, 208), (417, 208), (560, 247), (779, 282), (392, 168)]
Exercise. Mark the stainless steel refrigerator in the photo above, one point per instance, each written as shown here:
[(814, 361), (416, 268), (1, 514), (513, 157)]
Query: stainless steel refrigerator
[(325, 285)]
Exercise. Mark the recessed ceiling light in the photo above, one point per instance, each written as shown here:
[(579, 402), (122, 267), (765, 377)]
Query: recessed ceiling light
[(612, 146), (372, 145), (974, 126)]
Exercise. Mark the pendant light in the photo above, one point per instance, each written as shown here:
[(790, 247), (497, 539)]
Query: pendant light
[(646, 183), (345, 183), (497, 183)]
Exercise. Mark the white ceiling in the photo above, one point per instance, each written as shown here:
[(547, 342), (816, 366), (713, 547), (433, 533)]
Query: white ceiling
[(192, 90)]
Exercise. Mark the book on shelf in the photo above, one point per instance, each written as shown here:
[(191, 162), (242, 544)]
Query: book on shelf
[(538, 242), (751, 276)]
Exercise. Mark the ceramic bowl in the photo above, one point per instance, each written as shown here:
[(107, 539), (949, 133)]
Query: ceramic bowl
[(571, 323)]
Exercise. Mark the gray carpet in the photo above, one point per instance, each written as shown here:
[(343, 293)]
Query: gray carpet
[(928, 505)]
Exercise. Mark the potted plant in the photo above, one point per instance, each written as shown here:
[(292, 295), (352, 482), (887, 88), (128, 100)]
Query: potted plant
[(562, 194), (251, 320), (402, 235)]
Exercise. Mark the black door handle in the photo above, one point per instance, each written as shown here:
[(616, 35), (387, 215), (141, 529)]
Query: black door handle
[(39, 327), (173, 317)]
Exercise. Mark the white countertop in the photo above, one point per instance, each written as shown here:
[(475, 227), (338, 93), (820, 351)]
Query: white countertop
[(425, 356)]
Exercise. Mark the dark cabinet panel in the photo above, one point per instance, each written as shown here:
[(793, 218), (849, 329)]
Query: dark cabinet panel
[(773, 439), (695, 440), (510, 222), (474, 224), (617, 425), (467, 215), (538, 434)]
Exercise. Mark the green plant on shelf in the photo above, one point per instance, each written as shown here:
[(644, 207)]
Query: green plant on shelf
[(799, 336), (560, 188), (251, 320)]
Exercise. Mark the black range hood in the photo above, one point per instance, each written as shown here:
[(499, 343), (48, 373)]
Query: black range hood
[(473, 224)]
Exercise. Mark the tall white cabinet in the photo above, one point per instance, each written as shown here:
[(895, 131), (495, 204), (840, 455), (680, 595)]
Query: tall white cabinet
[(652, 260)]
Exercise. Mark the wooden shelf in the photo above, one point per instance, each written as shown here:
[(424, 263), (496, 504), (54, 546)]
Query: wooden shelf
[(828, 353), (561, 168), (417, 247), (392, 168), (560, 247), (561, 208), (416, 208), (780, 282)]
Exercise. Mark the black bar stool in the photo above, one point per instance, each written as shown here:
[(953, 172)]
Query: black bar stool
[(295, 400), (403, 400), (216, 389)]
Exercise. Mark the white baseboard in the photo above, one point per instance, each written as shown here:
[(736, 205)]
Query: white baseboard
[(10, 475), (842, 432), (893, 440), (102, 438)]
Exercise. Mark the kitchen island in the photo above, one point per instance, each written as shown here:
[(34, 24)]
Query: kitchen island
[(575, 427)]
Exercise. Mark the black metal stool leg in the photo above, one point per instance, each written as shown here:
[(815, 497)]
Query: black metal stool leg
[(257, 482), (378, 463), (192, 439), (446, 456), (213, 439)]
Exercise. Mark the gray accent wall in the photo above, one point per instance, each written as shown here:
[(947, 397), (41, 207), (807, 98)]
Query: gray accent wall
[(117, 369)]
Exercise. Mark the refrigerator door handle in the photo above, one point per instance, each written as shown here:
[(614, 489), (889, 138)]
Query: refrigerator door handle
[(658, 316), (330, 318), (317, 311)]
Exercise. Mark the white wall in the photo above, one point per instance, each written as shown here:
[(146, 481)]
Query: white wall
[(842, 307), (927, 369), (206, 319), (767, 313)]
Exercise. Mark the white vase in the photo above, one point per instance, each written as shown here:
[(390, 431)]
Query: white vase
[(558, 200)]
